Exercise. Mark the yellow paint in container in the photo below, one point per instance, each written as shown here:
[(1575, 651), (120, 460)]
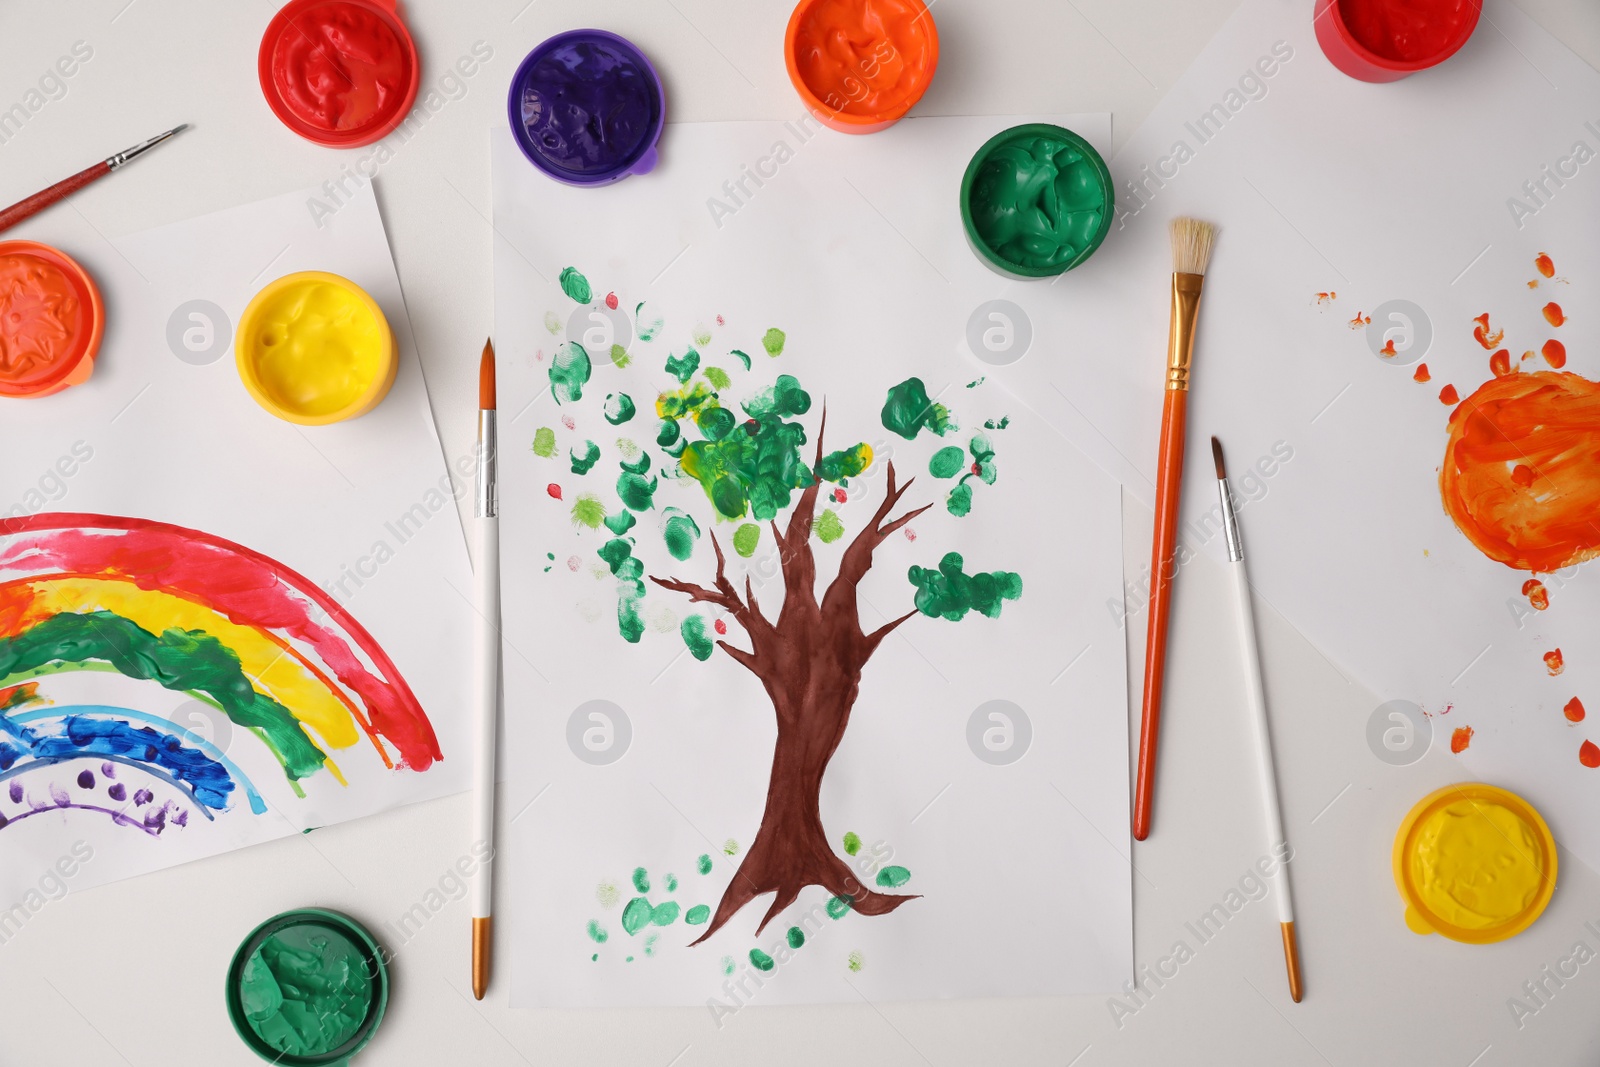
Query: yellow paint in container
[(1474, 863), (313, 348)]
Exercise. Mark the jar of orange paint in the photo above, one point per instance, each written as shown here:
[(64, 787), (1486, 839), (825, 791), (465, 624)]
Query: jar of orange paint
[(51, 320), (859, 66)]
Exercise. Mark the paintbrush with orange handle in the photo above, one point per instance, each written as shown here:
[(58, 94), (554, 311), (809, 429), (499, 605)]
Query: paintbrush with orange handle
[(1191, 249)]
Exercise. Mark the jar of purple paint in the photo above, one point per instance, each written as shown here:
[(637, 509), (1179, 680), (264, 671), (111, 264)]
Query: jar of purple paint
[(587, 108)]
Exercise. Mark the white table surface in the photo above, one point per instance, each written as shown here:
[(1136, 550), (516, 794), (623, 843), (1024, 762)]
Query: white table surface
[(132, 972)]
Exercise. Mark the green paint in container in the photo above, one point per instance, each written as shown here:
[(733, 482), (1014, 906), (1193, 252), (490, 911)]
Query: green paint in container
[(307, 988), (1036, 201)]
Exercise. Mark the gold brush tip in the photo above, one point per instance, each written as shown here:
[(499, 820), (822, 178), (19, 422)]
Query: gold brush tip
[(1291, 960), (482, 931)]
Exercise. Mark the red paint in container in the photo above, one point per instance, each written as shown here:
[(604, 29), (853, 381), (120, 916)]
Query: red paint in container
[(51, 320), (1386, 40), (342, 73)]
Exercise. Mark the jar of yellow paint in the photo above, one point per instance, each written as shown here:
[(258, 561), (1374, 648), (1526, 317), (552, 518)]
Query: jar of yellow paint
[(1474, 863), (314, 348)]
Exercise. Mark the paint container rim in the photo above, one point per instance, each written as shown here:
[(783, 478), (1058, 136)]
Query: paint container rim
[(375, 390), (348, 927), (383, 123), (1351, 57), (843, 121), (1022, 271), (1423, 921), (643, 159), (79, 364)]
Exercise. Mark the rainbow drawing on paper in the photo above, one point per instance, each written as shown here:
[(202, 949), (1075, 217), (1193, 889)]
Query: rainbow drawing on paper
[(196, 614)]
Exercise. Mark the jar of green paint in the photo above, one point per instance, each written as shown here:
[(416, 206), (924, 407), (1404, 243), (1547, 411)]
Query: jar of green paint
[(307, 988), (1036, 201)]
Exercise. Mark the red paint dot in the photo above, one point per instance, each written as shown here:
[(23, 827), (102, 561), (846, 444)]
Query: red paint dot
[(1574, 710), (1588, 754), (1460, 739), (911, 535), (611, 301), (1555, 353), (721, 321), (1522, 475), (566, 420), (974, 468), (1553, 662), (720, 626), (1546, 267), (554, 490), (839, 496), (1388, 348), (1553, 315)]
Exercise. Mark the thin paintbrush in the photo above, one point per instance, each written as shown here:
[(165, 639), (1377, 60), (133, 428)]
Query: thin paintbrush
[(1256, 694), (1191, 250), (67, 186), (487, 575)]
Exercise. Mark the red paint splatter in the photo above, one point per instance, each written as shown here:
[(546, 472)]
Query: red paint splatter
[(1553, 315), (250, 588), (566, 420), (1536, 593), (611, 301), (974, 468), (1574, 710), (1483, 336), (840, 496), (1555, 353), (1546, 267), (1460, 739), (720, 626), (1421, 374), (1500, 363), (721, 321), (538, 355), (1588, 754), (1448, 396), (554, 490), (1327, 298), (911, 535), (573, 563), (1359, 321), (1553, 662), (1387, 351), (1522, 475)]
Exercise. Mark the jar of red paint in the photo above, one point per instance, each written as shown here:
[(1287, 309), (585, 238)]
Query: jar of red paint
[(1386, 40)]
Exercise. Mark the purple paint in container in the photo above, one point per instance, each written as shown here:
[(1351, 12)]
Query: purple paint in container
[(587, 108)]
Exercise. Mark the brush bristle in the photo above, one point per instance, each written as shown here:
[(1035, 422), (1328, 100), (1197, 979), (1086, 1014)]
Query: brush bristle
[(486, 377), (1191, 245), (1216, 454)]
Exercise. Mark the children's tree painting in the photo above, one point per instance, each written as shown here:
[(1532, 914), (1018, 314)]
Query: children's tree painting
[(712, 464)]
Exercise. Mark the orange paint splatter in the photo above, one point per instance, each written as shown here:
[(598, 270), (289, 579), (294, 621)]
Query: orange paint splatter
[(1421, 374), (1522, 475), (1536, 593), (1327, 298), (1448, 396), (1574, 710), (1527, 355), (1482, 334), (1546, 267), (1460, 739), (1387, 351), (1533, 284), (1554, 353), (1553, 662), (1550, 422), (1359, 321), (1588, 754), (1553, 315), (1500, 363)]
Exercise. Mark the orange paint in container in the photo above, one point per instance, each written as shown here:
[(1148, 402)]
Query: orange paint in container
[(860, 65), (51, 320)]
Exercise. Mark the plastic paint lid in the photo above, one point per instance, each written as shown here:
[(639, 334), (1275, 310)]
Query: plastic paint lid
[(1474, 863), (314, 348), (587, 108), (307, 988), (1384, 41), (860, 65), (1036, 201), (51, 320), (339, 72)]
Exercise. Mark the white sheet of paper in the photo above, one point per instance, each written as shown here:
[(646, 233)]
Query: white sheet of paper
[(363, 509), (1375, 193), (868, 275)]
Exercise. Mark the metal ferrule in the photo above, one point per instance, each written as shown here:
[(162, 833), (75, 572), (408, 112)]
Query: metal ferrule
[(1230, 522), (486, 502), (1180, 340)]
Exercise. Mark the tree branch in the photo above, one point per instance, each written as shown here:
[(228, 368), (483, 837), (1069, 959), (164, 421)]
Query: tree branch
[(876, 637), (697, 593), (841, 594), (739, 654)]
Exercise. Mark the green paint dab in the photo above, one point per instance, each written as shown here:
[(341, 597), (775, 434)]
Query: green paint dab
[(773, 341), (693, 630), (620, 357), (717, 377), (846, 463), (855, 961), (980, 381), (746, 538), (950, 593), (697, 915), (672, 883), (728, 964), (544, 442), (635, 492), (852, 843), (552, 322), (585, 463), (569, 372), (588, 511), (618, 408), (796, 937), (683, 367), (647, 323), (730, 847), (636, 916), (761, 960), (998, 424), (783, 398), (959, 500), (947, 462), (829, 527), (638, 466), (893, 877), (608, 896), (680, 532), (597, 933), (641, 880), (703, 864), (650, 944), (838, 907), (907, 410), (576, 285), (702, 334), (742, 357), (665, 913), (621, 522)]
